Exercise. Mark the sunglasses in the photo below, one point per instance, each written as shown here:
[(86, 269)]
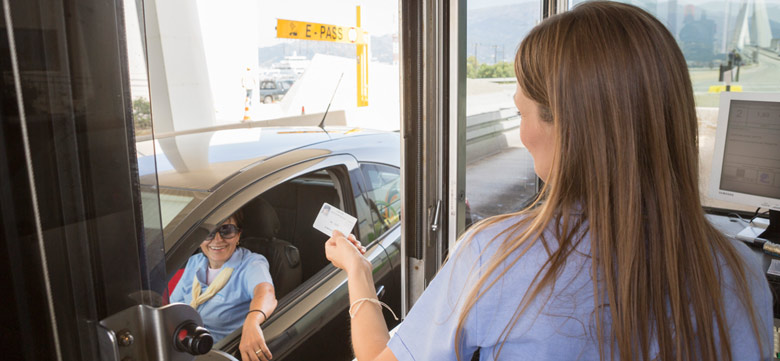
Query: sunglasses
[(226, 231)]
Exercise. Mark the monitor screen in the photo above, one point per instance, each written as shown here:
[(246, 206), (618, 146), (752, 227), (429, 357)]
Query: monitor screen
[(746, 161)]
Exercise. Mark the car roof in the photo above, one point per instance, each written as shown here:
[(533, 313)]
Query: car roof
[(201, 161)]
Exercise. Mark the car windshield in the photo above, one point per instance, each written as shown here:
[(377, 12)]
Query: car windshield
[(175, 204)]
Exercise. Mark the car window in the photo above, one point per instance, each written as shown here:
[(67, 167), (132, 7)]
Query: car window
[(295, 205), (278, 225), (175, 204), (383, 195), (171, 204)]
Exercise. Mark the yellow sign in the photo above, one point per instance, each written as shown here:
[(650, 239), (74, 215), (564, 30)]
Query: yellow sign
[(302, 30), (722, 88)]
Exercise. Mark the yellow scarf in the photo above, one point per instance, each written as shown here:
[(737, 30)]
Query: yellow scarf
[(222, 279)]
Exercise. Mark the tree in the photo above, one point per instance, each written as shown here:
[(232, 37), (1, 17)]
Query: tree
[(142, 113), (499, 70), (471, 67)]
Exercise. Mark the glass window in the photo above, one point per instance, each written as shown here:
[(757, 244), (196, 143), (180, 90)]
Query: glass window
[(383, 196), (261, 60), (500, 175), (212, 64), (218, 64), (743, 36), (137, 71)]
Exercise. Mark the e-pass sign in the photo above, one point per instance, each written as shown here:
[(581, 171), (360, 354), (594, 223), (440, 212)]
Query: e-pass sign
[(292, 29), (331, 218)]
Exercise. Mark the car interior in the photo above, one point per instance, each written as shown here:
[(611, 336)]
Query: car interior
[(261, 235), (278, 225), (297, 203)]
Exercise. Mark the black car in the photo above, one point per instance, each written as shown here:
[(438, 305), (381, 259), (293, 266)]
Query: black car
[(273, 90), (280, 177)]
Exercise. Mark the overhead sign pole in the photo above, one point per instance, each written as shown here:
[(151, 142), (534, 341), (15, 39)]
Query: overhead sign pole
[(302, 30), (362, 68)]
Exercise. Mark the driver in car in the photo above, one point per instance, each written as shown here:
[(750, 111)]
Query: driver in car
[(230, 287)]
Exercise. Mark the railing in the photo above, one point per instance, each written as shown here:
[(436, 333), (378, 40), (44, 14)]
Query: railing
[(491, 132)]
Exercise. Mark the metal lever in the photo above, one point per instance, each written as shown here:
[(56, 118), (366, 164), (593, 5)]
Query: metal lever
[(143, 333), (193, 339), (435, 224)]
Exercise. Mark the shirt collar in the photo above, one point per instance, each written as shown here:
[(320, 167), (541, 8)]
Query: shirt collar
[(233, 262), (235, 259)]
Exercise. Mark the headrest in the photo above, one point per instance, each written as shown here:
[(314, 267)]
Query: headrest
[(260, 219)]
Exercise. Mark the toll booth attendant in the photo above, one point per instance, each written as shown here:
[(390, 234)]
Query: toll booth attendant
[(616, 260)]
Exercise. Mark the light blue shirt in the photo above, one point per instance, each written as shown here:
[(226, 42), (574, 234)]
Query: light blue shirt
[(561, 327), (226, 311)]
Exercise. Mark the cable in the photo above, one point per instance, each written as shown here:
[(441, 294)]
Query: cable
[(739, 218), (756, 215)]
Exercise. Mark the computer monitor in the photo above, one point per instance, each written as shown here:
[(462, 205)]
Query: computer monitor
[(746, 160)]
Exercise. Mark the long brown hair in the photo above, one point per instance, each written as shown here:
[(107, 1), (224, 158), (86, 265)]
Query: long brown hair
[(616, 88)]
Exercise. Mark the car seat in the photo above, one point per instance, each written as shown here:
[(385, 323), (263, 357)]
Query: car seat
[(261, 226), (309, 200)]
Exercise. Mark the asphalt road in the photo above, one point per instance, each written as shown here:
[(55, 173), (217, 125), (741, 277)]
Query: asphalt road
[(500, 183), (765, 76), (761, 77)]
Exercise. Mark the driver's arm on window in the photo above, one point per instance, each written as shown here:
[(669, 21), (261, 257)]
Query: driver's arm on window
[(253, 346)]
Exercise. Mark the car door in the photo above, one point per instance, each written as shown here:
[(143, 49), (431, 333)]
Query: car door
[(315, 313), (381, 194)]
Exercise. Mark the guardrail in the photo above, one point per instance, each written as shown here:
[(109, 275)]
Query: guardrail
[(490, 133)]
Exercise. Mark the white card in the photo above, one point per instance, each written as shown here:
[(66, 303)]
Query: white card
[(331, 218)]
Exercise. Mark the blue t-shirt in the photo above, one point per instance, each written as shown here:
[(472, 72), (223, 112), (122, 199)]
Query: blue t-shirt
[(226, 311), (558, 324)]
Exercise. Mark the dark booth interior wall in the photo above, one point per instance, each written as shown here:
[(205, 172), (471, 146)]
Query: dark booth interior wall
[(71, 222)]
